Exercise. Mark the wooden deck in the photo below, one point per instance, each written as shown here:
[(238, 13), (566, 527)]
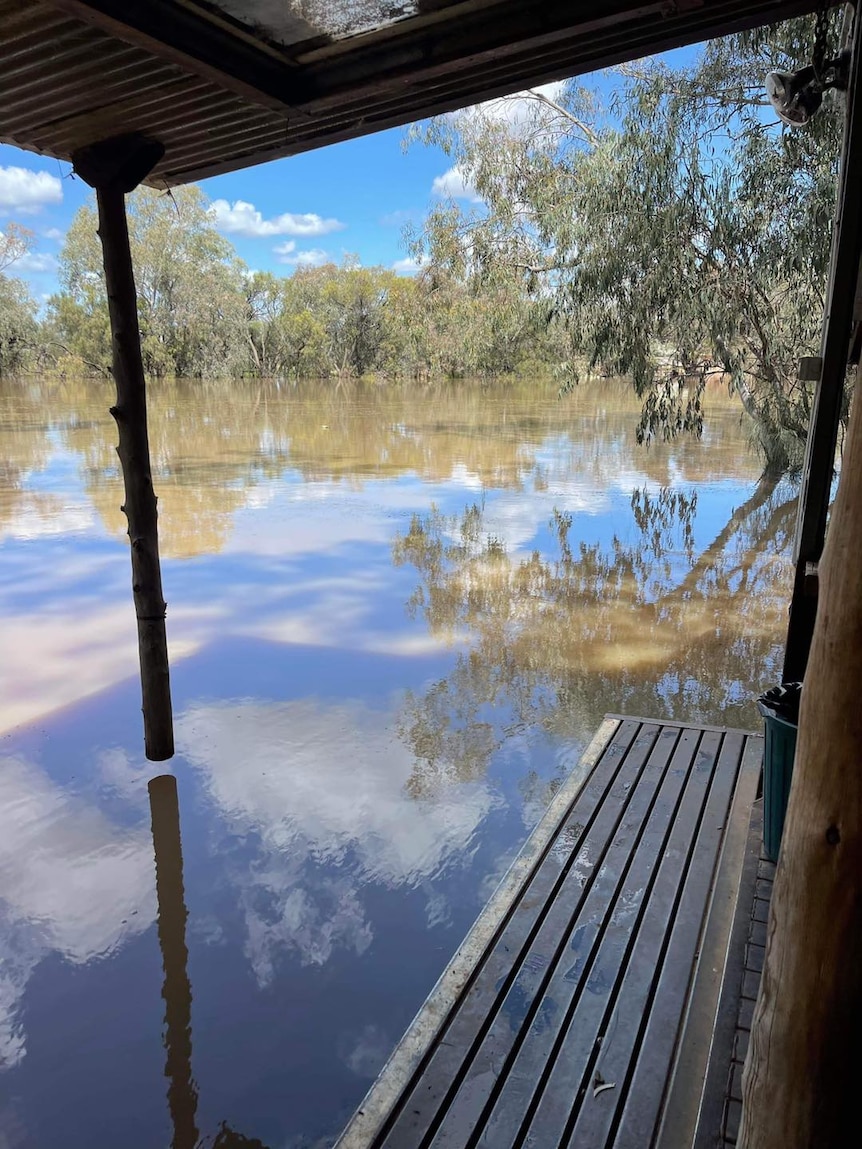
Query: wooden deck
[(580, 1010)]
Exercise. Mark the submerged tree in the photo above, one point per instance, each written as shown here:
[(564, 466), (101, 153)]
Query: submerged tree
[(191, 298), (203, 314), (676, 233), (18, 328), (17, 309)]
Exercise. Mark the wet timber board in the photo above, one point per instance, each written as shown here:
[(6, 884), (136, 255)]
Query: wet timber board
[(580, 1009)]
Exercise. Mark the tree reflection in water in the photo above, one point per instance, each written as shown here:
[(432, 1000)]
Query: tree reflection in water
[(554, 640), (176, 988)]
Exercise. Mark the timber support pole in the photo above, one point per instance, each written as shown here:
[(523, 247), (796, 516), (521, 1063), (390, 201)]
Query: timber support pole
[(114, 168)]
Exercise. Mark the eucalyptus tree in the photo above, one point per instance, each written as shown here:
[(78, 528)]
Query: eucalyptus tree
[(663, 221), (15, 242), (17, 310), (191, 300), (18, 328)]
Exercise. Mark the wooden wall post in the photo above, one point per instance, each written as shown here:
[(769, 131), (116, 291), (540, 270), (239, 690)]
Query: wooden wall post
[(802, 1071), (114, 168)]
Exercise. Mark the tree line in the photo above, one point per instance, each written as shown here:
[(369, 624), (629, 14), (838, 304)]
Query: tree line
[(204, 314), (671, 232)]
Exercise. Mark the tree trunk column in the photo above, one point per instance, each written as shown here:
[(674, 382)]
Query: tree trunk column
[(114, 168), (801, 1080), (130, 414)]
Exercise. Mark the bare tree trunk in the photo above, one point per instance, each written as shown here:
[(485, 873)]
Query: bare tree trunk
[(130, 414), (802, 1071)]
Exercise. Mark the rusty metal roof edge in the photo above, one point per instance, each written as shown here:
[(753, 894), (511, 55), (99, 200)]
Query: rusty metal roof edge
[(444, 76)]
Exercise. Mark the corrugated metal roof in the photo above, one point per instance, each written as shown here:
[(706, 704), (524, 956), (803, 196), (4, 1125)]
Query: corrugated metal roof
[(222, 95), (290, 21)]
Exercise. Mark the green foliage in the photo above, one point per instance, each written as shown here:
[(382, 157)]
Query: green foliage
[(17, 310), (191, 295), (202, 314), (676, 234), (17, 326)]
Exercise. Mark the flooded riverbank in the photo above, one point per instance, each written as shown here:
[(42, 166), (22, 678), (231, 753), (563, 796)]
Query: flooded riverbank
[(395, 617)]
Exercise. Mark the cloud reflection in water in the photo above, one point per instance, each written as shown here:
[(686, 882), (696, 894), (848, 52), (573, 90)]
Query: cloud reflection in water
[(71, 882), (322, 789)]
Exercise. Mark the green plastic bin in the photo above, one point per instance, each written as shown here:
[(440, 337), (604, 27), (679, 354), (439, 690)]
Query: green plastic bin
[(778, 755)]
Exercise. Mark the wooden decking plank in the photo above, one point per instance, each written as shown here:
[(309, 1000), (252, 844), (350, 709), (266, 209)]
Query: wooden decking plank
[(528, 1008), (384, 1099), (644, 1028), (569, 1083), (695, 1095), (584, 968), (551, 901), (597, 940), (526, 1005), (409, 1120)]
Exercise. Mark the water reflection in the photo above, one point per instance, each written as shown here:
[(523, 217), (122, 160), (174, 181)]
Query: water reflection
[(325, 792), (176, 990), (395, 618), (641, 626), (71, 883), (217, 444), (273, 480)]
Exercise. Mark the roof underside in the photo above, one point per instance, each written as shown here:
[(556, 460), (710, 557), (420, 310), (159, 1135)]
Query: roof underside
[(230, 84)]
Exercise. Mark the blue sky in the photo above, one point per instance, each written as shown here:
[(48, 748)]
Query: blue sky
[(352, 198)]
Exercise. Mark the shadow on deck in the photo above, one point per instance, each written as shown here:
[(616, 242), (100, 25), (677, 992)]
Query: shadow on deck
[(596, 1001)]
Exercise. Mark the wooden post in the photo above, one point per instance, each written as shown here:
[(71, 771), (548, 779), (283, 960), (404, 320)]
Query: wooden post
[(176, 990), (801, 1073), (114, 168), (832, 369)]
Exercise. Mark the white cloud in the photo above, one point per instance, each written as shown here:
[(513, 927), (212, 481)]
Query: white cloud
[(453, 184), (27, 192), (287, 253), (53, 233), (400, 216), (520, 107), (36, 261), (241, 218), (408, 265)]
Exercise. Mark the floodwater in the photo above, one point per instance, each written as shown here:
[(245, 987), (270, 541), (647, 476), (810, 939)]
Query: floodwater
[(396, 617)]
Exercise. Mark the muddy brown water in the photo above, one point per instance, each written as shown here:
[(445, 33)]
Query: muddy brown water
[(396, 616)]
